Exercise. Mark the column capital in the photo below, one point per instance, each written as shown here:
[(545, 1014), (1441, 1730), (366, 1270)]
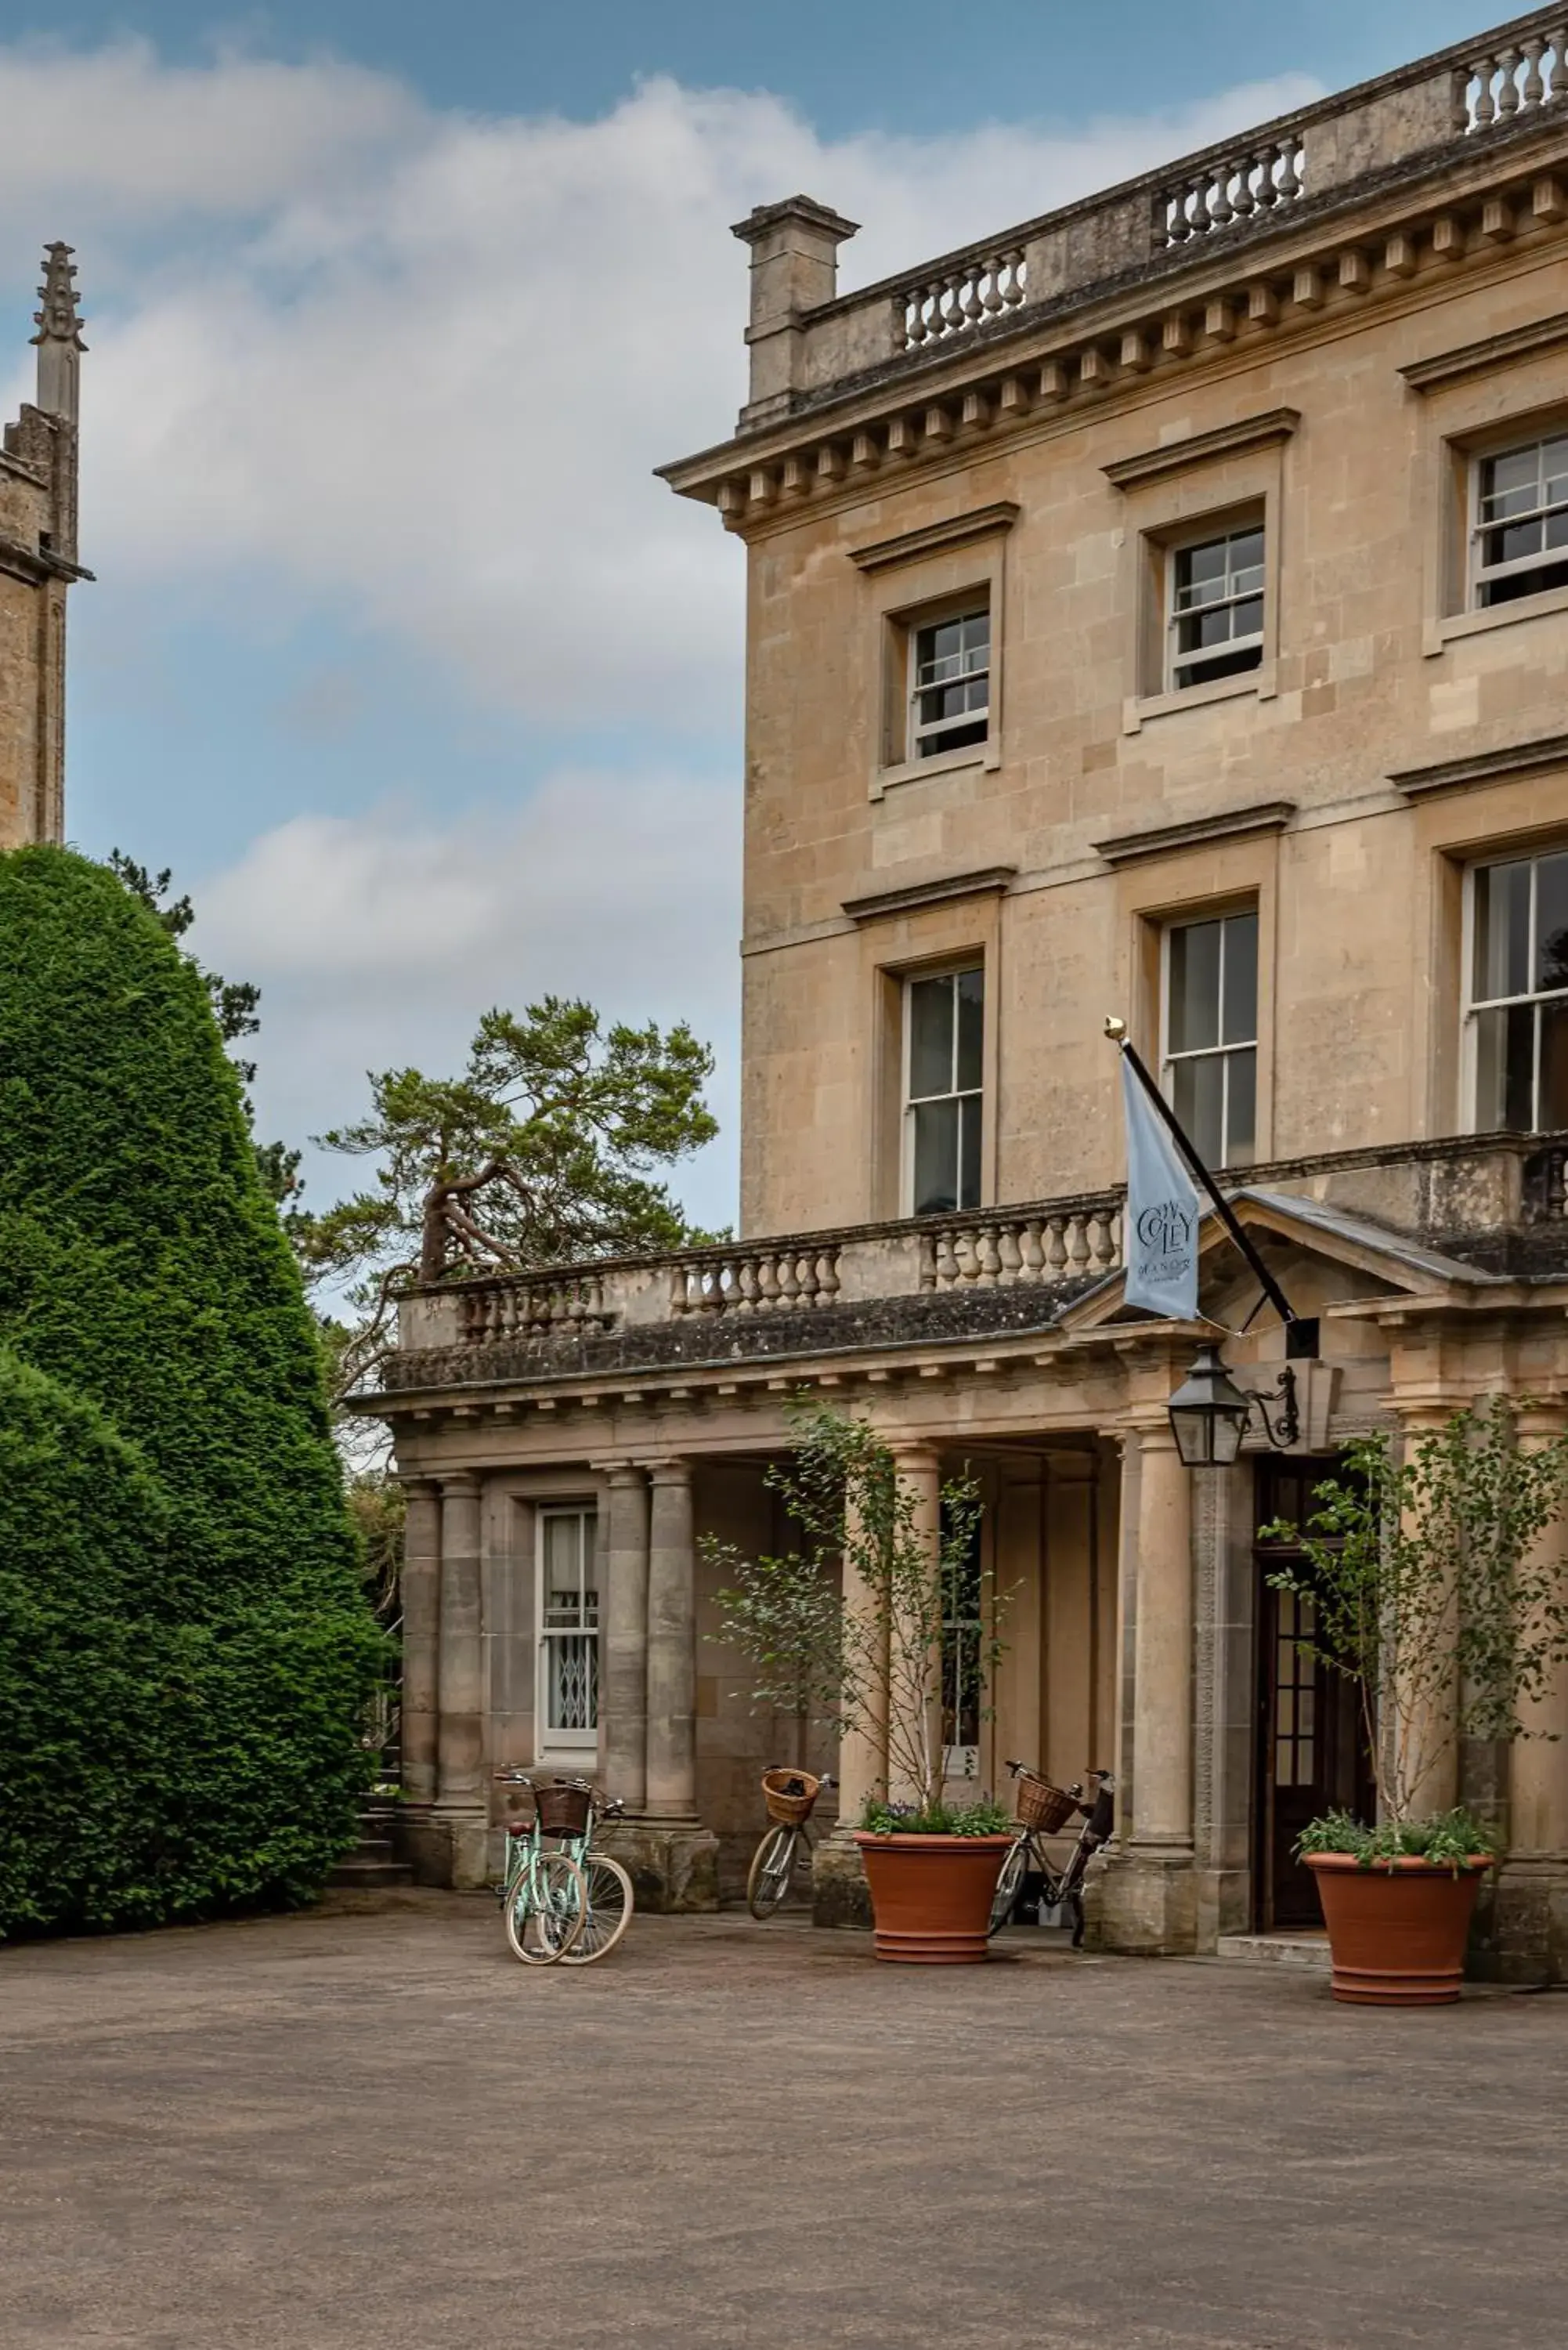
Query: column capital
[(461, 1484), (915, 1452), (421, 1488), (669, 1472), (619, 1472)]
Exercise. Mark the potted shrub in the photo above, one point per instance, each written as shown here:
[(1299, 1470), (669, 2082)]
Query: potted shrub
[(864, 1650), (1432, 1593)]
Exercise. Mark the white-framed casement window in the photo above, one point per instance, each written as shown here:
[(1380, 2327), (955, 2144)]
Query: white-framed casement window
[(1516, 1012), (1209, 1034), (950, 682), (567, 1580), (1214, 607), (1518, 522), (944, 1030)]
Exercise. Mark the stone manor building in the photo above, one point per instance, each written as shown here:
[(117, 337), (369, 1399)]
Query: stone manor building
[(38, 565), (1158, 608)]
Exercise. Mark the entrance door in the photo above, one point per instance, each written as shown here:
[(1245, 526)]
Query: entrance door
[(1312, 1753)]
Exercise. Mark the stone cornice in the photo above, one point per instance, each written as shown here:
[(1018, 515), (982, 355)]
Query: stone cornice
[(1466, 208), (991, 879), (961, 530), (1262, 432), (1495, 350), (1164, 839), (1483, 767)]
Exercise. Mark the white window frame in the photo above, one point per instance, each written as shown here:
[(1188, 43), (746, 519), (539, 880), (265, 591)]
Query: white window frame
[(1480, 575), (1474, 1005), (1223, 1053), (975, 1095), (916, 734), (548, 1740), (1177, 665)]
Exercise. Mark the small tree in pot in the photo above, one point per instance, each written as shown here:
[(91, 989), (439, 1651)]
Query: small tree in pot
[(1432, 1593), (864, 1651)]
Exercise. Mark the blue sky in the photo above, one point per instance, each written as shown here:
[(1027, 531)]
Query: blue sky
[(400, 657)]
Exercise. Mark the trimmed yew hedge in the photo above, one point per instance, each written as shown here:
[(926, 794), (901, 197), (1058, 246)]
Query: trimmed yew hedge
[(185, 1651)]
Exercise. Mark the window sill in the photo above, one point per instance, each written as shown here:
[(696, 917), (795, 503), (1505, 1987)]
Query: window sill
[(914, 770), (1439, 634), (1136, 711)]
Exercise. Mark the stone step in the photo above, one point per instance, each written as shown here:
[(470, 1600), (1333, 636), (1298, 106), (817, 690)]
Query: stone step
[(357, 1876), (1309, 1951)]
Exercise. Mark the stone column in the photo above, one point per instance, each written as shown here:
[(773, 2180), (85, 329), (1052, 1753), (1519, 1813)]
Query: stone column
[(671, 1792), (1430, 1759), (421, 1596), (1148, 1901), (1532, 1923), (460, 1753), (1162, 1655), (920, 1472), (626, 1640)]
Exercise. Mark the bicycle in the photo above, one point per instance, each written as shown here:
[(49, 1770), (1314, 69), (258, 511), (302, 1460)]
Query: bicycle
[(542, 1894), (1045, 1810), (571, 1809), (789, 1795)]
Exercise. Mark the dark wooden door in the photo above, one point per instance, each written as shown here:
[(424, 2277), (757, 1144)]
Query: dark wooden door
[(1311, 1754)]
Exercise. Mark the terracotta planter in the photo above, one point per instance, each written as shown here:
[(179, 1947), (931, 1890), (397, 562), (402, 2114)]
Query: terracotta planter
[(1397, 1932), (931, 1896)]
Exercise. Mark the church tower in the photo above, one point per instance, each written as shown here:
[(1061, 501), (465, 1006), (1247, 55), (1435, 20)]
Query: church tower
[(38, 565)]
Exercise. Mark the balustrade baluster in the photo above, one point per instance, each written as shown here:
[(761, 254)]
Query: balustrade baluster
[(1078, 1243), (1243, 200), (928, 1262), (1056, 1244), (1558, 82), (971, 307), (988, 1259), (1534, 90), (1219, 210), (1017, 286), (1030, 1255), (1010, 1258), (1291, 157), (827, 1278), (1508, 89), (1485, 111), (1268, 192), (768, 1281)]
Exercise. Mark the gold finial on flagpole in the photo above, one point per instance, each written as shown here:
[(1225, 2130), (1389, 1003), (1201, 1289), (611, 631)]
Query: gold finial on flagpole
[(1115, 1029)]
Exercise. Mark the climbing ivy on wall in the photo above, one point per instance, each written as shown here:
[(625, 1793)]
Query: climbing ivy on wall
[(185, 1650)]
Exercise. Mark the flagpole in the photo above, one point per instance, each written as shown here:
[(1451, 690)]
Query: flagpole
[(1116, 1031)]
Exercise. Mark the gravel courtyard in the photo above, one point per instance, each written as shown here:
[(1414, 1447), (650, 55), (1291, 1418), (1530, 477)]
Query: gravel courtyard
[(369, 2129)]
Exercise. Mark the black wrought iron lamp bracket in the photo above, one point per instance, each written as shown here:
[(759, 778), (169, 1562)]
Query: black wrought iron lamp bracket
[(1283, 1424)]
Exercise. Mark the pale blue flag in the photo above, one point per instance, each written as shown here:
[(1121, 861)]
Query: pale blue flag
[(1160, 1242)]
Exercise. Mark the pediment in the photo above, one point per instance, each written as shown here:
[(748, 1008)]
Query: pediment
[(1322, 1257)]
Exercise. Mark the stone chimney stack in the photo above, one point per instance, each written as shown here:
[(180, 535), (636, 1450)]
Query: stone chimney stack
[(59, 337), (794, 268)]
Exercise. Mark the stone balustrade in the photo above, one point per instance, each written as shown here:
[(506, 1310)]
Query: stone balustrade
[(994, 1252), (1400, 122), (981, 287), (1233, 190), (1517, 77), (1502, 1198), (782, 1279), (526, 1305)]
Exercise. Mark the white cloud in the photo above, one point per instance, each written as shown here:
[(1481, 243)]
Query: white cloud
[(378, 939), (424, 363)]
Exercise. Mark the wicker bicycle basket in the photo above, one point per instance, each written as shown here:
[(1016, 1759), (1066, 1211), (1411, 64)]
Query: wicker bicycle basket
[(790, 1796), (1042, 1806), (562, 1809)]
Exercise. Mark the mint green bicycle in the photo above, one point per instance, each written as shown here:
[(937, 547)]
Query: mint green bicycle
[(543, 1896), (576, 1913)]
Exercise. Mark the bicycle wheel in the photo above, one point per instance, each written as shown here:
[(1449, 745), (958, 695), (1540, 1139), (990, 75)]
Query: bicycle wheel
[(773, 1865), (545, 1914), (1007, 1886), (606, 1912)]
